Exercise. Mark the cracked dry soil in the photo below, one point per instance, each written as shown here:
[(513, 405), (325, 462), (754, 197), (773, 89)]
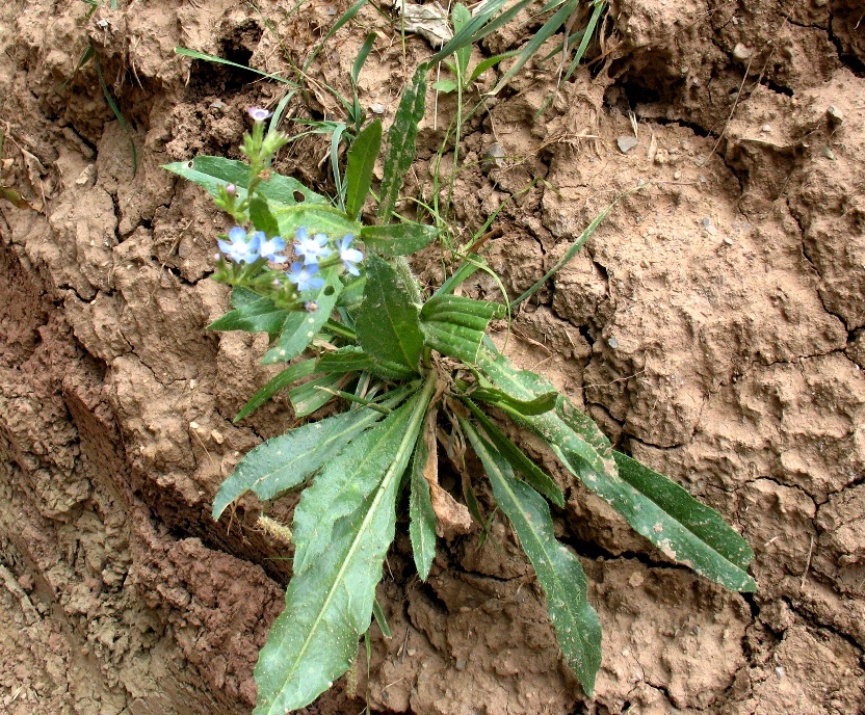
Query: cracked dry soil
[(713, 325)]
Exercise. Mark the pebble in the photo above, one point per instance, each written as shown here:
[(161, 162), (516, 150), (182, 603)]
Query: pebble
[(494, 156), (612, 342), (742, 52), (766, 129), (836, 116), (626, 143), (377, 108)]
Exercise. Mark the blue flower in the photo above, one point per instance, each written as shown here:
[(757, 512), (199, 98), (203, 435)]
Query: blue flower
[(240, 248), (270, 248), (313, 249), (258, 114), (304, 276), (350, 256)]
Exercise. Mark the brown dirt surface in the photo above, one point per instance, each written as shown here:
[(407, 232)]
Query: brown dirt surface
[(714, 326)]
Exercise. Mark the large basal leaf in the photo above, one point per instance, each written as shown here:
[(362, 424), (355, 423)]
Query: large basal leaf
[(315, 219), (284, 462), (284, 379), (329, 603), (387, 324), (401, 142), (654, 506), (591, 444), (212, 172), (352, 358), (577, 626), (300, 328)]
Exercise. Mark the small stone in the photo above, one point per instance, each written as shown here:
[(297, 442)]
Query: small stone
[(626, 143), (194, 425), (377, 108), (216, 436), (828, 153), (677, 175), (766, 129), (494, 157), (743, 52), (836, 116), (613, 342)]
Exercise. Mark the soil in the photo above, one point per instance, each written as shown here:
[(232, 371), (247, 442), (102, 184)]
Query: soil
[(714, 325)]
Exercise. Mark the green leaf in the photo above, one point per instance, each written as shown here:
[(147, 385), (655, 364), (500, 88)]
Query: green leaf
[(287, 461), (398, 239), (359, 167), (534, 475), (211, 172), (462, 311), (455, 341), (196, 55), (307, 398), (381, 619), (300, 328), (284, 379), (401, 142), (261, 218), (316, 219), (680, 526), (445, 86), (387, 324), (347, 520), (258, 315), (527, 408), (589, 443), (577, 626), (353, 358), (422, 527), (489, 63)]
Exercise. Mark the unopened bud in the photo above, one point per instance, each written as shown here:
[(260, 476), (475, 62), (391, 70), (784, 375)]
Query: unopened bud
[(231, 190)]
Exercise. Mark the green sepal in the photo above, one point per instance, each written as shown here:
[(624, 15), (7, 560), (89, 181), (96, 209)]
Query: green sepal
[(387, 324), (576, 623), (398, 239)]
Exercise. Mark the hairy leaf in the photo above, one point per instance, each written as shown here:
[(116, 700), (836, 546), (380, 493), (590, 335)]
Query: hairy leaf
[(300, 328), (577, 626), (257, 314), (308, 397), (262, 218), (284, 462), (212, 172), (344, 525), (387, 325), (398, 239), (422, 528), (401, 142), (359, 166)]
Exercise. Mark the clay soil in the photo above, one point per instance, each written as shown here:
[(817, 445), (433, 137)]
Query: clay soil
[(714, 325)]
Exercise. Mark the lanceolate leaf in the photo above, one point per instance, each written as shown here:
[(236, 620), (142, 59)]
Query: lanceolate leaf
[(316, 219), (359, 166), (401, 142), (284, 462), (534, 475), (559, 572), (308, 397), (300, 328), (387, 325), (329, 603), (422, 528), (455, 326)]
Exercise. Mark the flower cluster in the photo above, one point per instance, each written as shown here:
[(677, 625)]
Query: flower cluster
[(312, 252)]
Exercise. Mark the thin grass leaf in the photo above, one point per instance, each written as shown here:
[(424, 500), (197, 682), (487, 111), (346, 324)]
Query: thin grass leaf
[(381, 619), (329, 603), (121, 120), (576, 623), (401, 142), (284, 379), (588, 32), (572, 251), (549, 28), (344, 18), (196, 55), (481, 25), (359, 61)]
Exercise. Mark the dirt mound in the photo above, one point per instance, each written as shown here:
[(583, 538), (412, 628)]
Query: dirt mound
[(714, 326)]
